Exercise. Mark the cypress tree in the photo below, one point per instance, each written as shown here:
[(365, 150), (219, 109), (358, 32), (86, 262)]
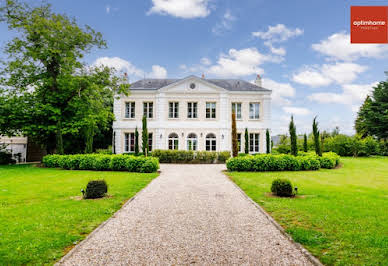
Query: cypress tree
[(317, 145), (292, 129), (268, 141), (144, 134), (136, 141), (305, 147), (234, 136), (246, 138)]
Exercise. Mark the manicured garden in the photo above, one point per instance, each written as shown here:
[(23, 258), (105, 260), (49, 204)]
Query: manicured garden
[(340, 215), (42, 213)]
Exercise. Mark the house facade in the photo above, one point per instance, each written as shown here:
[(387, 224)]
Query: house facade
[(192, 114)]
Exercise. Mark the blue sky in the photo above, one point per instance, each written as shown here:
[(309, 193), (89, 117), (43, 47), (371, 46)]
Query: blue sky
[(301, 49)]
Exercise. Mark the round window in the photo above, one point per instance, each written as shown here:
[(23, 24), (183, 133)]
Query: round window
[(192, 85)]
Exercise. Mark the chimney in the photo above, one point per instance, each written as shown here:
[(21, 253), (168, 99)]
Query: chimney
[(258, 80)]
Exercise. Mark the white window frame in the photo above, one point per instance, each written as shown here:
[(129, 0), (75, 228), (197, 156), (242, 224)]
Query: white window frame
[(254, 142), (211, 110), (173, 110), (173, 141), (192, 142), (148, 109), (211, 142), (130, 108), (150, 141), (239, 136), (254, 109), (192, 110), (237, 110), (129, 142)]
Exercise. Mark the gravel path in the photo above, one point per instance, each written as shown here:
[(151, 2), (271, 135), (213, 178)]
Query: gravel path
[(190, 214)]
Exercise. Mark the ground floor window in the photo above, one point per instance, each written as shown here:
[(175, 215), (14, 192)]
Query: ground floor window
[(239, 141), (129, 142), (211, 142), (192, 142), (149, 141), (254, 142), (173, 141)]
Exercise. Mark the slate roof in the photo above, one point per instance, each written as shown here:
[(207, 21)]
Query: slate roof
[(228, 84)]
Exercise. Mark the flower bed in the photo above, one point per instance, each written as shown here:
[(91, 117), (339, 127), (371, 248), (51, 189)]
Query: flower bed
[(102, 162)]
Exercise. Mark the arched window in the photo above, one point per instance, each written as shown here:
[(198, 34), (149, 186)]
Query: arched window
[(211, 142), (173, 141), (192, 142)]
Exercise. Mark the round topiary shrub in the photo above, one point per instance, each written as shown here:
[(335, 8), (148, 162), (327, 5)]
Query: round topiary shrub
[(282, 188), (96, 189)]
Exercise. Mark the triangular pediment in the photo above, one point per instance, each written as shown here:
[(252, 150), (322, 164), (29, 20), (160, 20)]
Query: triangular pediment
[(192, 84)]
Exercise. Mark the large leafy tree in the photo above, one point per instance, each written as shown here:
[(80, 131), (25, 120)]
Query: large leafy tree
[(46, 88), (372, 118)]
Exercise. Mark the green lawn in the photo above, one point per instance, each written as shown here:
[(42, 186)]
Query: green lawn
[(40, 218), (342, 217)]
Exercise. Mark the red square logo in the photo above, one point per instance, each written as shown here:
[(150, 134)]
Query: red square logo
[(368, 24)]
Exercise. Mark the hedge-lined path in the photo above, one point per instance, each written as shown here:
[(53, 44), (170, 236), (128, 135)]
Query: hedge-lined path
[(189, 214)]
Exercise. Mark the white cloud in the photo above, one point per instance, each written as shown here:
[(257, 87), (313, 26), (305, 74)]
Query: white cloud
[(278, 33), (107, 9), (338, 46), (122, 65), (225, 24), (206, 61), (296, 110), (352, 94), (181, 8), (278, 51), (280, 91), (341, 73), (239, 63)]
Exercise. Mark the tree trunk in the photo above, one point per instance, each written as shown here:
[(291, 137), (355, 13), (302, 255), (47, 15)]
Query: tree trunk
[(59, 138)]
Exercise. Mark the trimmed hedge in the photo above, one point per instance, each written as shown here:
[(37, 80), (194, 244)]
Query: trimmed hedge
[(282, 162), (282, 188), (179, 156), (96, 189), (102, 162)]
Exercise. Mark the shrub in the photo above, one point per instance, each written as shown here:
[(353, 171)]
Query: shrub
[(282, 187), (205, 156), (95, 189), (6, 158), (223, 156), (102, 162)]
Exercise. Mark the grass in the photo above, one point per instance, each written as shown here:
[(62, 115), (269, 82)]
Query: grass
[(342, 217), (40, 216)]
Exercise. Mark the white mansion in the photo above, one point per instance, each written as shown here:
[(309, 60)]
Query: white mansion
[(192, 114)]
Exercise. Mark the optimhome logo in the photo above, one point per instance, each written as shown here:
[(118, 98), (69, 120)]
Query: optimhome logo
[(368, 24)]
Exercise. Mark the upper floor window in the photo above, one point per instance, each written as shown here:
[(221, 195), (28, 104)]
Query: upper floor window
[(254, 110), (129, 142), (192, 110), (173, 141), (211, 143), (173, 110), (130, 110), (148, 109), (254, 142), (236, 107), (192, 142), (210, 110)]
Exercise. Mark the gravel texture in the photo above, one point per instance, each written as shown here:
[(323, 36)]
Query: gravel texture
[(190, 214)]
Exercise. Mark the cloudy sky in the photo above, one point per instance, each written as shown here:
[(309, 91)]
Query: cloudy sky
[(301, 48)]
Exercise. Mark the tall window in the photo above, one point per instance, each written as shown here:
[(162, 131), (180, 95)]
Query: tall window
[(211, 143), (148, 109), (236, 107), (210, 110), (149, 141), (192, 142), (173, 141), (254, 110), (173, 110), (192, 110), (254, 142), (130, 110), (129, 142), (239, 141)]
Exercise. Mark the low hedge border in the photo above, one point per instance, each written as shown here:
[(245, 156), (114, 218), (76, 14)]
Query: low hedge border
[(102, 162), (282, 162), (179, 156)]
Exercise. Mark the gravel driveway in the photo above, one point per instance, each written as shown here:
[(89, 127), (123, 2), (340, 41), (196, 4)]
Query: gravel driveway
[(190, 214)]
